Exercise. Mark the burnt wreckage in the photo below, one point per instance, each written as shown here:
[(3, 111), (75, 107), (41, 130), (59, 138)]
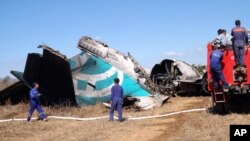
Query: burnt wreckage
[(86, 78), (178, 77)]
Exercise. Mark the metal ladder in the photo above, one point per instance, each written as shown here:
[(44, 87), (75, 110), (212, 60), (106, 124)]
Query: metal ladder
[(219, 97)]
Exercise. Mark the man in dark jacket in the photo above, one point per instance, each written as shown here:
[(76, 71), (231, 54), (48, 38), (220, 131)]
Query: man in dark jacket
[(117, 100), (240, 40)]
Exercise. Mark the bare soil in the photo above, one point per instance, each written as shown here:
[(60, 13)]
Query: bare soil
[(187, 126)]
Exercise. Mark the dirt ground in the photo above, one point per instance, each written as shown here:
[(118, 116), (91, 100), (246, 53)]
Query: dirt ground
[(187, 126)]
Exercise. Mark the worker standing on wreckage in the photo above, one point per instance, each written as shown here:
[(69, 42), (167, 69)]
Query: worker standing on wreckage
[(35, 103), (116, 100)]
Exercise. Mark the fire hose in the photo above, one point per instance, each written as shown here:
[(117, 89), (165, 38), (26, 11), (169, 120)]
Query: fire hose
[(103, 117)]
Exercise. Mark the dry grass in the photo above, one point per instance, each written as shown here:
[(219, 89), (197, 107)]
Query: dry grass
[(20, 111), (189, 126), (85, 111)]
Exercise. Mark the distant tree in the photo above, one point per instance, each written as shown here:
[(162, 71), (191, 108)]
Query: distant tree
[(6, 81), (199, 68)]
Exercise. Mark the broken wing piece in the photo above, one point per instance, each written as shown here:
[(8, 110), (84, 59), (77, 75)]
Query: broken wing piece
[(52, 71), (15, 93), (147, 103)]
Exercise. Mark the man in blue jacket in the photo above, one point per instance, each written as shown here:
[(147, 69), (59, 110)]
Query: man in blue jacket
[(240, 40), (35, 103), (216, 68), (116, 100)]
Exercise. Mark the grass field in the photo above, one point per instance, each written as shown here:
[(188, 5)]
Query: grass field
[(183, 127), (187, 126)]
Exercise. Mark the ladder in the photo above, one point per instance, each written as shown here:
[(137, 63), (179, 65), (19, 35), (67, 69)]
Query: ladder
[(219, 97)]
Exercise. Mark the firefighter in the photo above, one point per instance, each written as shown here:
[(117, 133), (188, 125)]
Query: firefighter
[(116, 100), (216, 68), (35, 103), (240, 40), (221, 40)]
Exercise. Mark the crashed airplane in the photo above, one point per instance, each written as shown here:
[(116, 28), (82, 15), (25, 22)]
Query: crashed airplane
[(179, 77), (87, 78)]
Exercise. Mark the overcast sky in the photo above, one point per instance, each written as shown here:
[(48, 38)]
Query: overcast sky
[(151, 30)]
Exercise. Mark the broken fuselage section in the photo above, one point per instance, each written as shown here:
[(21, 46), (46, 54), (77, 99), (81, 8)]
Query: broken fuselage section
[(177, 77), (97, 66), (87, 78)]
